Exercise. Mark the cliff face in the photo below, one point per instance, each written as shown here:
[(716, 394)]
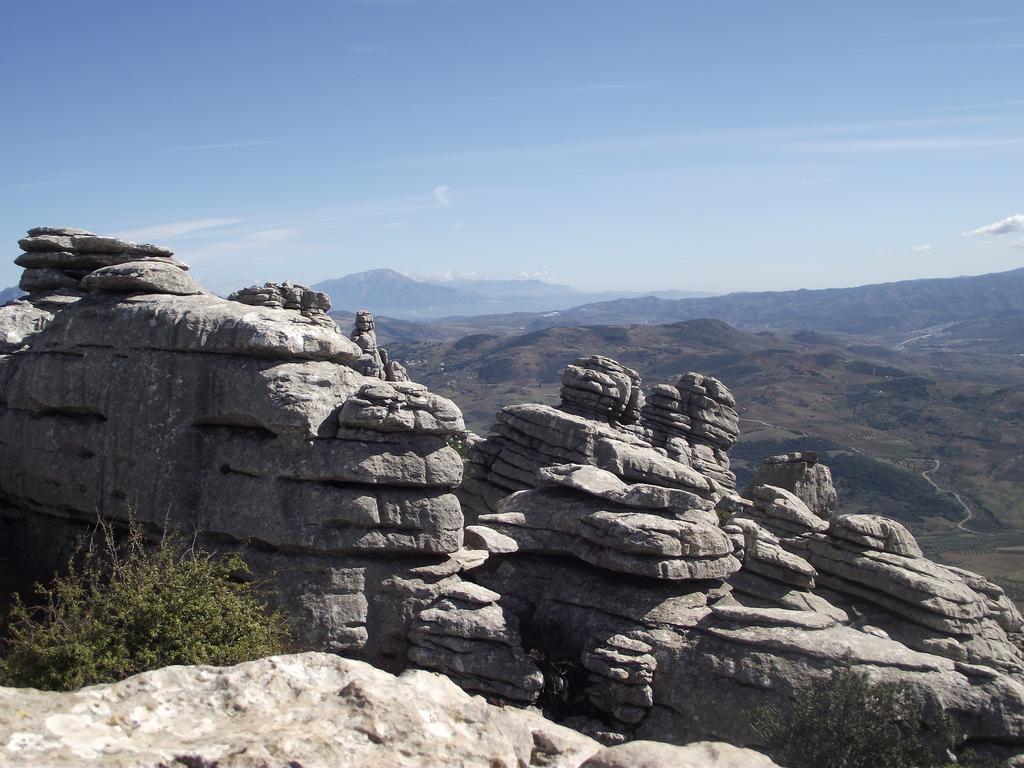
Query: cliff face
[(606, 549), (133, 391), (610, 562)]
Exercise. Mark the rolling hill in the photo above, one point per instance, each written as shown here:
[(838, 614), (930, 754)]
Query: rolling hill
[(386, 292), (893, 312), (881, 417)]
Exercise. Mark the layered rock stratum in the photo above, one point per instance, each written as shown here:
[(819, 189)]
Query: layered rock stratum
[(135, 392), (610, 570)]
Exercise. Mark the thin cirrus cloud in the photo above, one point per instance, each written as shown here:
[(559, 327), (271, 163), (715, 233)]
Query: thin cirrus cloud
[(911, 144), (223, 145), (441, 195), (593, 88), (177, 228), (1006, 226), (921, 248)]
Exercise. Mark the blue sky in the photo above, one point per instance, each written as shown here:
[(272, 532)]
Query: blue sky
[(641, 144)]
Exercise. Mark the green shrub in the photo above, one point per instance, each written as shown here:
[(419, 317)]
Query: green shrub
[(130, 607), (847, 721)]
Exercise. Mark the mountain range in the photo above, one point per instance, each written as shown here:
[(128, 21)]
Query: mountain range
[(386, 292), (869, 310), (9, 294)]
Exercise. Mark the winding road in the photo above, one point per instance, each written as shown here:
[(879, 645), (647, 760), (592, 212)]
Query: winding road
[(962, 525)]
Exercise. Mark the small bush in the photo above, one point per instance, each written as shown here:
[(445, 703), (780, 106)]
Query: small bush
[(847, 721), (126, 608)]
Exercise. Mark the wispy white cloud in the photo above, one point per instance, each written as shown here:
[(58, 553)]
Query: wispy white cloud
[(441, 195), (592, 88), (223, 145), (272, 235), (983, 105), (46, 183), (912, 134), (176, 228), (1006, 226), (924, 248), (1012, 45), (905, 144)]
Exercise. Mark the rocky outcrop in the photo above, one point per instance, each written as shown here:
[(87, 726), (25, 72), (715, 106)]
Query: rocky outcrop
[(313, 710), (597, 423), (374, 360), (599, 387), (246, 424), (609, 569), (639, 529), (287, 295), (801, 474), (604, 543), (57, 261), (696, 422)]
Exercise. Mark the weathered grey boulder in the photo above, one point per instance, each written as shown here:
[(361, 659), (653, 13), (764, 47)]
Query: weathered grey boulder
[(601, 388), (530, 437), (613, 536), (19, 320), (311, 709), (202, 323), (701, 754), (466, 634), (231, 421), (47, 279), (783, 513), (88, 244), (875, 532), (400, 407), (286, 295), (801, 474), (695, 421), (141, 277)]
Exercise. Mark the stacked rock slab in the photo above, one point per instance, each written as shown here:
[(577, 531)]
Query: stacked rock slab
[(681, 627), (695, 421), (243, 423), (803, 475), (602, 388), (61, 264), (596, 423), (374, 361), (287, 295)]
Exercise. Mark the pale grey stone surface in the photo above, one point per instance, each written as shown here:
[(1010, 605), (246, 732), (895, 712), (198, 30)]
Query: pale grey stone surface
[(803, 475), (141, 277), (312, 709)]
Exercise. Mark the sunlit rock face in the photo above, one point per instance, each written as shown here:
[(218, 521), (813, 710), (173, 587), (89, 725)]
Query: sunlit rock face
[(128, 389), (622, 551)]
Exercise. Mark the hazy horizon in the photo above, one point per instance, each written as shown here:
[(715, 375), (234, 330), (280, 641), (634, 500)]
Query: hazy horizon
[(663, 145)]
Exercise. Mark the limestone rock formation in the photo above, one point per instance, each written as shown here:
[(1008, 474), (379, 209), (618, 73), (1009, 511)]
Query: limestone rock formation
[(604, 545), (374, 360), (597, 423), (246, 424), (602, 388), (801, 474), (287, 295), (596, 570), (57, 261), (313, 710), (696, 422)]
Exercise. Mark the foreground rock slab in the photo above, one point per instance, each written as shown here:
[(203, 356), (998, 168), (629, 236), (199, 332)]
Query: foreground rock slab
[(309, 710)]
